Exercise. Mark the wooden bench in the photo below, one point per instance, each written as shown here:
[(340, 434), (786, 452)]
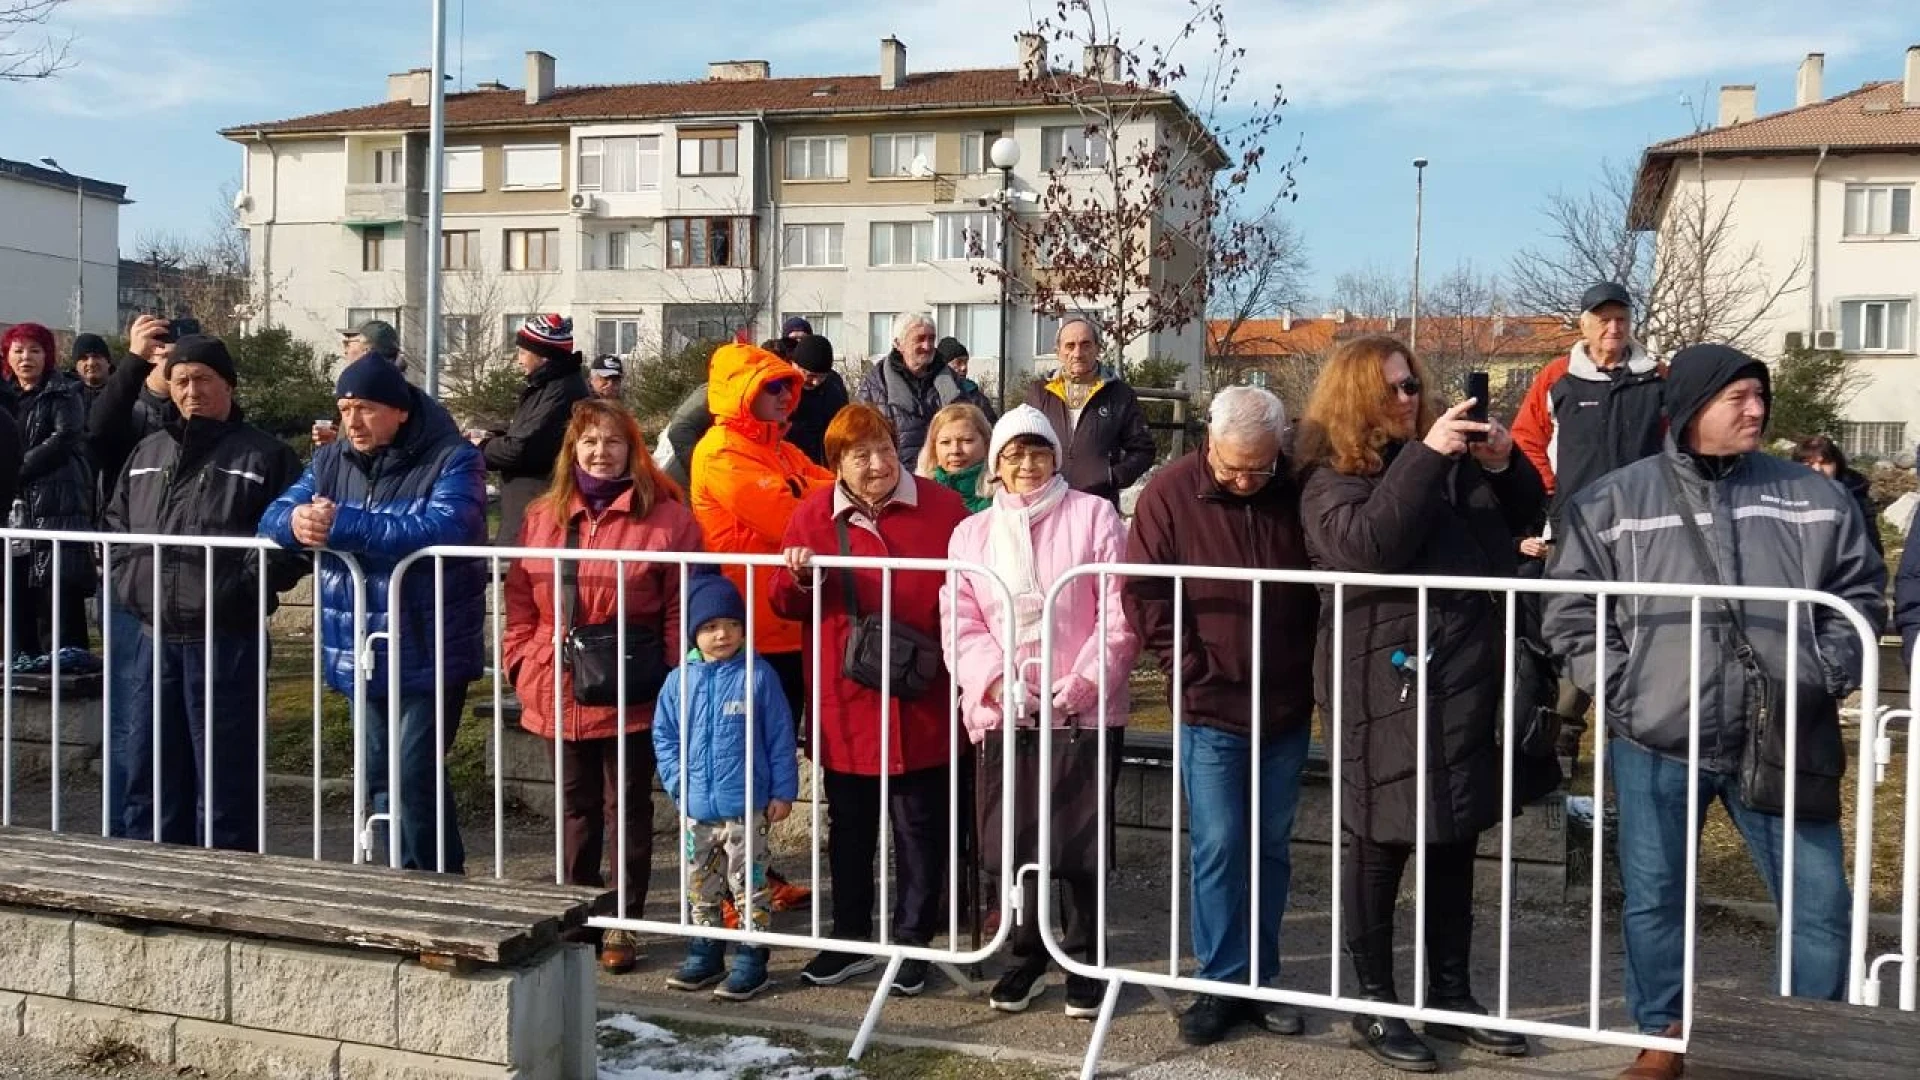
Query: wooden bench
[(224, 960), (1742, 1037)]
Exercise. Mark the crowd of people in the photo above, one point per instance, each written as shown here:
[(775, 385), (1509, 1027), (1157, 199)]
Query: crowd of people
[(1617, 469)]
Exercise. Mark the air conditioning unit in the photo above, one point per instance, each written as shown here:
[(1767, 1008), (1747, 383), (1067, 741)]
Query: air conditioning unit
[(584, 204), (1825, 340), (1795, 341)]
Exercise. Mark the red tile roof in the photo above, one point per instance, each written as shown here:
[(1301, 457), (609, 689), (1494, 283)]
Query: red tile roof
[(1512, 335)]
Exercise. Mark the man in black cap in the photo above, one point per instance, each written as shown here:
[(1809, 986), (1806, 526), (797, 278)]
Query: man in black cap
[(92, 363), (604, 376), (206, 472), (1712, 509), (823, 394), (524, 453), (125, 413)]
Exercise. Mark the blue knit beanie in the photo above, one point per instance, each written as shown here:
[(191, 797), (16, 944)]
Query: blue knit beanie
[(710, 597), (374, 378)]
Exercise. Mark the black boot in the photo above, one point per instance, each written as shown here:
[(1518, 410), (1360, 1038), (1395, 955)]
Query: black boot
[(1450, 987), (1389, 1040)]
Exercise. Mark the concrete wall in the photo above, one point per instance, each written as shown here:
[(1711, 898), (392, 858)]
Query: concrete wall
[(36, 258)]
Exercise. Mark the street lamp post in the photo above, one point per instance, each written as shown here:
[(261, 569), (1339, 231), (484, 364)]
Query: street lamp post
[(1005, 154), (79, 243), (436, 162), (1419, 197)]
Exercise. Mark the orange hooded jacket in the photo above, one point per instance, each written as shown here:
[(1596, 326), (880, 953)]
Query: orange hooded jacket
[(747, 482)]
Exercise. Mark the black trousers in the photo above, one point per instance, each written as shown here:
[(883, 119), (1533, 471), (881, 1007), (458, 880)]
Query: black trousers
[(32, 612), (1370, 875), (590, 802), (792, 669), (917, 803)]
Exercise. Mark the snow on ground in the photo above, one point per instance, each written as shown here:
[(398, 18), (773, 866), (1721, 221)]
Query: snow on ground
[(632, 1049)]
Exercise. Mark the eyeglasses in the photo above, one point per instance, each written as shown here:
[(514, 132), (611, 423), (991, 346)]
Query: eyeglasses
[(1227, 473), (1026, 457), (780, 388), (1408, 387)]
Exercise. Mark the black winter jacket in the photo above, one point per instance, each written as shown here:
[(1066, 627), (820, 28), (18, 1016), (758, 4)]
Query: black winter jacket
[(122, 414), (689, 422), (56, 480), (1423, 514), (911, 400), (1861, 489), (1110, 448), (201, 478), (525, 453), (816, 409)]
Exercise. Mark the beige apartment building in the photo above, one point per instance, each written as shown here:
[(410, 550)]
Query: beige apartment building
[(661, 213)]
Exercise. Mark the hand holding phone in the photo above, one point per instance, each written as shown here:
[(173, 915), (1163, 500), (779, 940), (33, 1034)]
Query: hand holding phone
[(1479, 391)]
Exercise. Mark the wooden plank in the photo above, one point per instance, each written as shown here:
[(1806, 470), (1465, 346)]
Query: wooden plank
[(281, 920), (1740, 1037)]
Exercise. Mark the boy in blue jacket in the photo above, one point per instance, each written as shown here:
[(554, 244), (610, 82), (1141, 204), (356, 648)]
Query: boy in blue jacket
[(720, 817)]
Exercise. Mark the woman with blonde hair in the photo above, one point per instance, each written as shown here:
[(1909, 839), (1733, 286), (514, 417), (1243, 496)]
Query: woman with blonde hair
[(1388, 487), (955, 454), (607, 495)]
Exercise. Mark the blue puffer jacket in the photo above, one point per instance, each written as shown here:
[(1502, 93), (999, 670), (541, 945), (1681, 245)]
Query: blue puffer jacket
[(427, 488), (716, 719)]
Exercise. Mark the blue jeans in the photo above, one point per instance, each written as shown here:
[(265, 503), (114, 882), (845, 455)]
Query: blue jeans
[(422, 765), (189, 795), (1652, 794), (1217, 778)]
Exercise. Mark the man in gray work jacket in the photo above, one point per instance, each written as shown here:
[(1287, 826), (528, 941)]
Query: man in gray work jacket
[(1766, 522)]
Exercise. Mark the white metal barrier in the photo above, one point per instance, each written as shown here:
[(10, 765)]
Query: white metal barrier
[(1169, 979), (1877, 735)]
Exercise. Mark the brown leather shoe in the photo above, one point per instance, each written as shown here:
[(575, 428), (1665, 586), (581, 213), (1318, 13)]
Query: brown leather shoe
[(1658, 1064), (619, 952)]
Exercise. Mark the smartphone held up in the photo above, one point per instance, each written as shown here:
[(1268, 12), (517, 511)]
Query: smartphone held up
[(1479, 390)]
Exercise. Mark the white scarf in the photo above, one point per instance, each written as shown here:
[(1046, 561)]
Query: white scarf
[(1010, 550)]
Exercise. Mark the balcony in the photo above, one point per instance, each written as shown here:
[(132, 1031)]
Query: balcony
[(378, 204)]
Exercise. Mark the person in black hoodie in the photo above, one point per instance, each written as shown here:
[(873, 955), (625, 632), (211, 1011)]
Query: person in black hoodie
[(524, 454), (1388, 488), (206, 472), (123, 414), (56, 493), (822, 396), (1824, 456)]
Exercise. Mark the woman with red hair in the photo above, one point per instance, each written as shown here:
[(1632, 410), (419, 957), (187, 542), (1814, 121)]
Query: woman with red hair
[(56, 492), (606, 495), (875, 508)]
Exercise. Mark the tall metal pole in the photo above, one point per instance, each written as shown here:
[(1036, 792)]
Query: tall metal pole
[(436, 163), (1006, 287), (79, 254), (1419, 197)]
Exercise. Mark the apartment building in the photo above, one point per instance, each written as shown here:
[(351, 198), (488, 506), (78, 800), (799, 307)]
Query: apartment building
[(1825, 192), (50, 214), (661, 213)]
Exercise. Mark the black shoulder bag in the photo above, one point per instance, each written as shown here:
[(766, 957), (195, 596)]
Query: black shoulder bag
[(1763, 754), (593, 650), (914, 658)]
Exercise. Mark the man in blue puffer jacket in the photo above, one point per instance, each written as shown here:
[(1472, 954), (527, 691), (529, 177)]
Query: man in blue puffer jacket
[(704, 705), (400, 479)]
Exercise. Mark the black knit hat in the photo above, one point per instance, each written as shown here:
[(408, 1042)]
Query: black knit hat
[(1698, 372), (950, 349), (90, 345), (813, 353), (374, 378), (202, 349)]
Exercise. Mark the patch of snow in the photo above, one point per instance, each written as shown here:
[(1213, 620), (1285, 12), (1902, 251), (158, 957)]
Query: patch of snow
[(638, 1050)]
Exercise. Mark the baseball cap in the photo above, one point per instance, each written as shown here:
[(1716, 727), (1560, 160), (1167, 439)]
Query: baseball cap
[(607, 366), (379, 336), (1606, 292)]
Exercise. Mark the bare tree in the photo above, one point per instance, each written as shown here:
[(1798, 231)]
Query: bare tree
[(42, 55), (1460, 319), (203, 274), (1270, 280), (1371, 291), (1127, 229)]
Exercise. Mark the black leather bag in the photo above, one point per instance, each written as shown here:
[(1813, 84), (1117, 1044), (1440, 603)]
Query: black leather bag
[(913, 657), (1820, 760), (593, 655)]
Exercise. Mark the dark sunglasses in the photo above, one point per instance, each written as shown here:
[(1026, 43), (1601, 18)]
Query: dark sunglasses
[(1409, 386)]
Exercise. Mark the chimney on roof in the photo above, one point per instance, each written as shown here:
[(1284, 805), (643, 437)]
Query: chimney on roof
[(412, 86), (1032, 54), (1286, 320), (893, 63), (491, 84), (1102, 63), (1913, 76), (1806, 88), (1736, 105), (739, 71), (539, 76)]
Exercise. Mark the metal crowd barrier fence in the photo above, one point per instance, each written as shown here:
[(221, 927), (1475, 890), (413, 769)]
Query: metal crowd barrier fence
[(1880, 744), (1159, 979)]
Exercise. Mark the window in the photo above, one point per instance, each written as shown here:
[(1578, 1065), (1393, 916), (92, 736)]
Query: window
[(618, 336), (880, 332), (360, 316), (817, 157), (460, 169), (1072, 148), (825, 323), (976, 325), (976, 148), (458, 333), (709, 153), (386, 167), (1879, 211), (682, 325), (458, 248), (1255, 377), (535, 168), (1876, 325), (710, 242), (893, 155), (812, 245), (533, 249), (1874, 439), (373, 248), (617, 165), (900, 243), (972, 235), (616, 247)]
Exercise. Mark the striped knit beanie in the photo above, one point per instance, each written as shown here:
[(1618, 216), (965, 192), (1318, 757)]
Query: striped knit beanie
[(550, 336)]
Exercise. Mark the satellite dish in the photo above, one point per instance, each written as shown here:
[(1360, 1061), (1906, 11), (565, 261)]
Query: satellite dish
[(921, 167)]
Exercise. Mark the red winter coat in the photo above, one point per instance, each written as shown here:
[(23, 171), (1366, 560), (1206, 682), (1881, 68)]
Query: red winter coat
[(914, 525), (653, 597)]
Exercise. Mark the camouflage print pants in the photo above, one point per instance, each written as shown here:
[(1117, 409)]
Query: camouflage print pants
[(717, 866)]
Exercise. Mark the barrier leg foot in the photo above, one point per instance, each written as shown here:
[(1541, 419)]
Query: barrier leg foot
[(1090, 1068), (1166, 1001), (961, 977), (872, 1019)]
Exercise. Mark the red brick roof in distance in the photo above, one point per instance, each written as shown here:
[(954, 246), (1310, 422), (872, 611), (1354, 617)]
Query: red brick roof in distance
[(1509, 335)]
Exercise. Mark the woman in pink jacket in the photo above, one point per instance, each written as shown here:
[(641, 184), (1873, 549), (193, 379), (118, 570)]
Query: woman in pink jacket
[(1036, 530)]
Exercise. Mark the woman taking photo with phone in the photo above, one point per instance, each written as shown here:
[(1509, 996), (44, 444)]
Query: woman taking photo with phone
[(1389, 488)]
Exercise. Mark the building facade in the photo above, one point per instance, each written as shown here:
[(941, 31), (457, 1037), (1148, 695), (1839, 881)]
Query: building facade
[(1824, 192), (50, 215), (661, 214)]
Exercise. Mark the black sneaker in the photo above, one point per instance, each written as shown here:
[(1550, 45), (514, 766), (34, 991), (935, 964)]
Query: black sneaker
[(834, 968), (911, 979), (1209, 1018), (1277, 1018), (1019, 986), (1083, 997)]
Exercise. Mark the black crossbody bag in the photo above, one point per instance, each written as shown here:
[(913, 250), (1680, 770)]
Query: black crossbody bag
[(914, 657), (1763, 754), (593, 650)]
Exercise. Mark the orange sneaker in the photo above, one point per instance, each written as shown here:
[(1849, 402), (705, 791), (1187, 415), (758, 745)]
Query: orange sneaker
[(786, 895), (729, 914)]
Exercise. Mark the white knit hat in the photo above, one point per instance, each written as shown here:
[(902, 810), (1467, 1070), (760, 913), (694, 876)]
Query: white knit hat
[(1021, 420)]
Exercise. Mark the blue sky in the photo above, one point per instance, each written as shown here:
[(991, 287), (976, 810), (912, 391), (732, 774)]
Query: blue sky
[(1511, 100)]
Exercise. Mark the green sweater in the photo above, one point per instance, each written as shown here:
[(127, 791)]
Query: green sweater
[(966, 484)]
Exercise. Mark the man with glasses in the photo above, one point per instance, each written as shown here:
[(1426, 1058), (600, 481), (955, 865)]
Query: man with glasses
[(1106, 444), (1232, 503)]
